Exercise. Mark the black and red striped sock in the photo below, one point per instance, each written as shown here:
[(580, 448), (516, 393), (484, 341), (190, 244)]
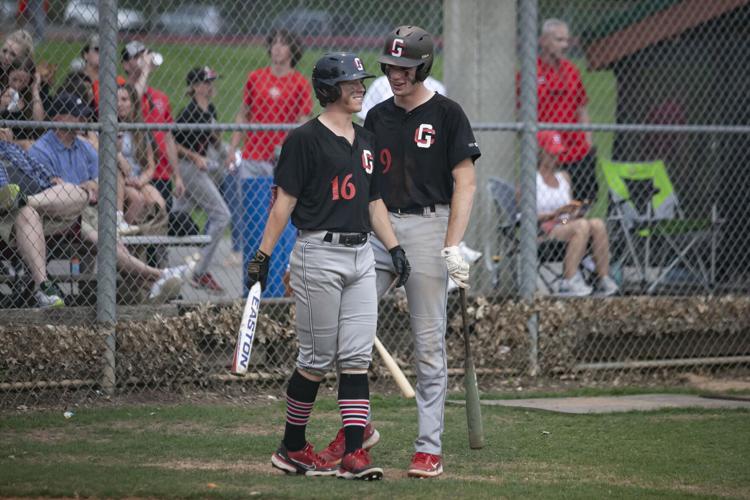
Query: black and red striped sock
[(300, 398), (354, 406)]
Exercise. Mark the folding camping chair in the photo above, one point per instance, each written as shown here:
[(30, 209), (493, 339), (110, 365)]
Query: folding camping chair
[(504, 252), (645, 209)]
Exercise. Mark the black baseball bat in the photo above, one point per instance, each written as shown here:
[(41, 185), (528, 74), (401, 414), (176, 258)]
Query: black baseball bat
[(473, 411)]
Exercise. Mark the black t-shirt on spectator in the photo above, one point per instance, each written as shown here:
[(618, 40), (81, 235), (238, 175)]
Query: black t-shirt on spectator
[(196, 140)]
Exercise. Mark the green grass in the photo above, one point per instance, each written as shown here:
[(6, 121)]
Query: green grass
[(223, 452), (232, 62)]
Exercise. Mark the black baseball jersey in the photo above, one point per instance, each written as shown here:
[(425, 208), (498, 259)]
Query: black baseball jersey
[(196, 140), (417, 150), (333, 181)]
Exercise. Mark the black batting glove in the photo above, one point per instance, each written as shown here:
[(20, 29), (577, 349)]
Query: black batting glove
[(400, 264), (257, 269)]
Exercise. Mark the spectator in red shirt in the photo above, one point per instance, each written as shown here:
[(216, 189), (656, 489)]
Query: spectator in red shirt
[(562, 99), (138, 63), (274, 94)]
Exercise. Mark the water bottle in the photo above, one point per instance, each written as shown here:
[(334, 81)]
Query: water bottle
[(75, 273)]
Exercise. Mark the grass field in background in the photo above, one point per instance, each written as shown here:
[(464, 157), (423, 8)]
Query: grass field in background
[(232, 62), (191, 451)]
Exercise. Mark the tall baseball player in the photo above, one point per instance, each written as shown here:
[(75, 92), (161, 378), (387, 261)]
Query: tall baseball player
[(326, 182), (425, 150)]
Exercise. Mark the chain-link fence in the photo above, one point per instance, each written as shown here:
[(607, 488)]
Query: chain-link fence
[(139, 141)]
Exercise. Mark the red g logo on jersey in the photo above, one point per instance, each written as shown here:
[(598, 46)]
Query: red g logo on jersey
[(424, 136), (367, 162), (397, 48)]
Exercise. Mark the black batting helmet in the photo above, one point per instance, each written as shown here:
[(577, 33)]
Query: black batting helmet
[(408, 47), (333, 68)]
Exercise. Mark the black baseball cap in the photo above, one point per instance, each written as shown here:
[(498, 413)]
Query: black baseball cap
[(202, 74), (69, 104)]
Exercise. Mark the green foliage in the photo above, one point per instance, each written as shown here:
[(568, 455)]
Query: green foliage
[(223, 452)]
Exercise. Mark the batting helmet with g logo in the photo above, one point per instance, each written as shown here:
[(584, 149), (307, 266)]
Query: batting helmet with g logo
[(332, 69), (408, 47)]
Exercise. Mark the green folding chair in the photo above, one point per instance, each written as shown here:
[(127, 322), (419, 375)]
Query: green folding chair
[(645, 209)]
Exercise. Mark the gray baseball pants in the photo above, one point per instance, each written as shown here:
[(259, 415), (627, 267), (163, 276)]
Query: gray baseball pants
[(201, 191), (337, 303), (422, 237)]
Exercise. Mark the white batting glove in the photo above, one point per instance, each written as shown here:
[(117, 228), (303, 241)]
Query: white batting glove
[(458, 268)]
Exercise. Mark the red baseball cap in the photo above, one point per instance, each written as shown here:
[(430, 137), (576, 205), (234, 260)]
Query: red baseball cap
[(550, 141)]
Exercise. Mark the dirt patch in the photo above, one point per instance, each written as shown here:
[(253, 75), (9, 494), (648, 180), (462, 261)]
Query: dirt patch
[(244, 467), (714, 385)]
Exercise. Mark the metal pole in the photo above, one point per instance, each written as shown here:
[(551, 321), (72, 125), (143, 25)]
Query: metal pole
[(528, 245), (106, 262)]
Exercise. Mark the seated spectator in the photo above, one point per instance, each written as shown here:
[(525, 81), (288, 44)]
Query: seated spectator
[(78, 84), (63, 153), (138, 198), (32, 207), (200, 189), (18, 45), (561, 218), (22, 100)]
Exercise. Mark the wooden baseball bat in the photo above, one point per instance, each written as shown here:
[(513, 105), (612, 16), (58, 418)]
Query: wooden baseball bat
[(473, 411), (398, 375), (390, 363)]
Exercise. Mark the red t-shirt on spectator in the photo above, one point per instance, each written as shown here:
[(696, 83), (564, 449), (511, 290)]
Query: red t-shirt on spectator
[(561, 93), (156, 109), (273, 99)]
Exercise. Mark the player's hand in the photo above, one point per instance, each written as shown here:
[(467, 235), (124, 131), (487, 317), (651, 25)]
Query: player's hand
[(178, 188), (458, 268), (257, 269), (400, 264)]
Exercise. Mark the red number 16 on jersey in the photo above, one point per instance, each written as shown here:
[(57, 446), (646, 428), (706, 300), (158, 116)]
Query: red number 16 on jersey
[(343, 189)]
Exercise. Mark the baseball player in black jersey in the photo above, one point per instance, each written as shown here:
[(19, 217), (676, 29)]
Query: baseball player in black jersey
[(326, 181), (425, 151)]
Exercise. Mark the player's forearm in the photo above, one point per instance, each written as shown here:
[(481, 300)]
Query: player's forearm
[(381, 224), (585, 119), (461, 202), (239, 119), (184, 152), (172, 154), (280, 212)]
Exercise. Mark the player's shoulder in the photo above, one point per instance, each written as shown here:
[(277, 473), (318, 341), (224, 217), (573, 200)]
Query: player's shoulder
[(307, 130), (382, 107), (447, 105), (157, 94), (569, 66)]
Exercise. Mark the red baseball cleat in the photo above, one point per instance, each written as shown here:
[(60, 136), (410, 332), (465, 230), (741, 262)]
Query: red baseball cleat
[(304, 461), (425, 465), (357, 465), (335, 450)]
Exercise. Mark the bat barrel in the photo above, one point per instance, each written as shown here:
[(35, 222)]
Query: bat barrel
[(473, 409)]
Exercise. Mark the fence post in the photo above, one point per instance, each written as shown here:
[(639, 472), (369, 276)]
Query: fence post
[(528, 43), (106, 262)]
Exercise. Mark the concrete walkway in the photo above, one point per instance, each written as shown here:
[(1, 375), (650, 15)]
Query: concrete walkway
[(611, 404)]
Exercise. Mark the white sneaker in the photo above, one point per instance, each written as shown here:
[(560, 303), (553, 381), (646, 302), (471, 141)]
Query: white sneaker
[(606, 287), (574, 287), (167, 287), (48, 296), (125, 229)]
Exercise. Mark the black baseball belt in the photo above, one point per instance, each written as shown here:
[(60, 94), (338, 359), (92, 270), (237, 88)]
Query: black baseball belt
[(413, 210), (348, 239)]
